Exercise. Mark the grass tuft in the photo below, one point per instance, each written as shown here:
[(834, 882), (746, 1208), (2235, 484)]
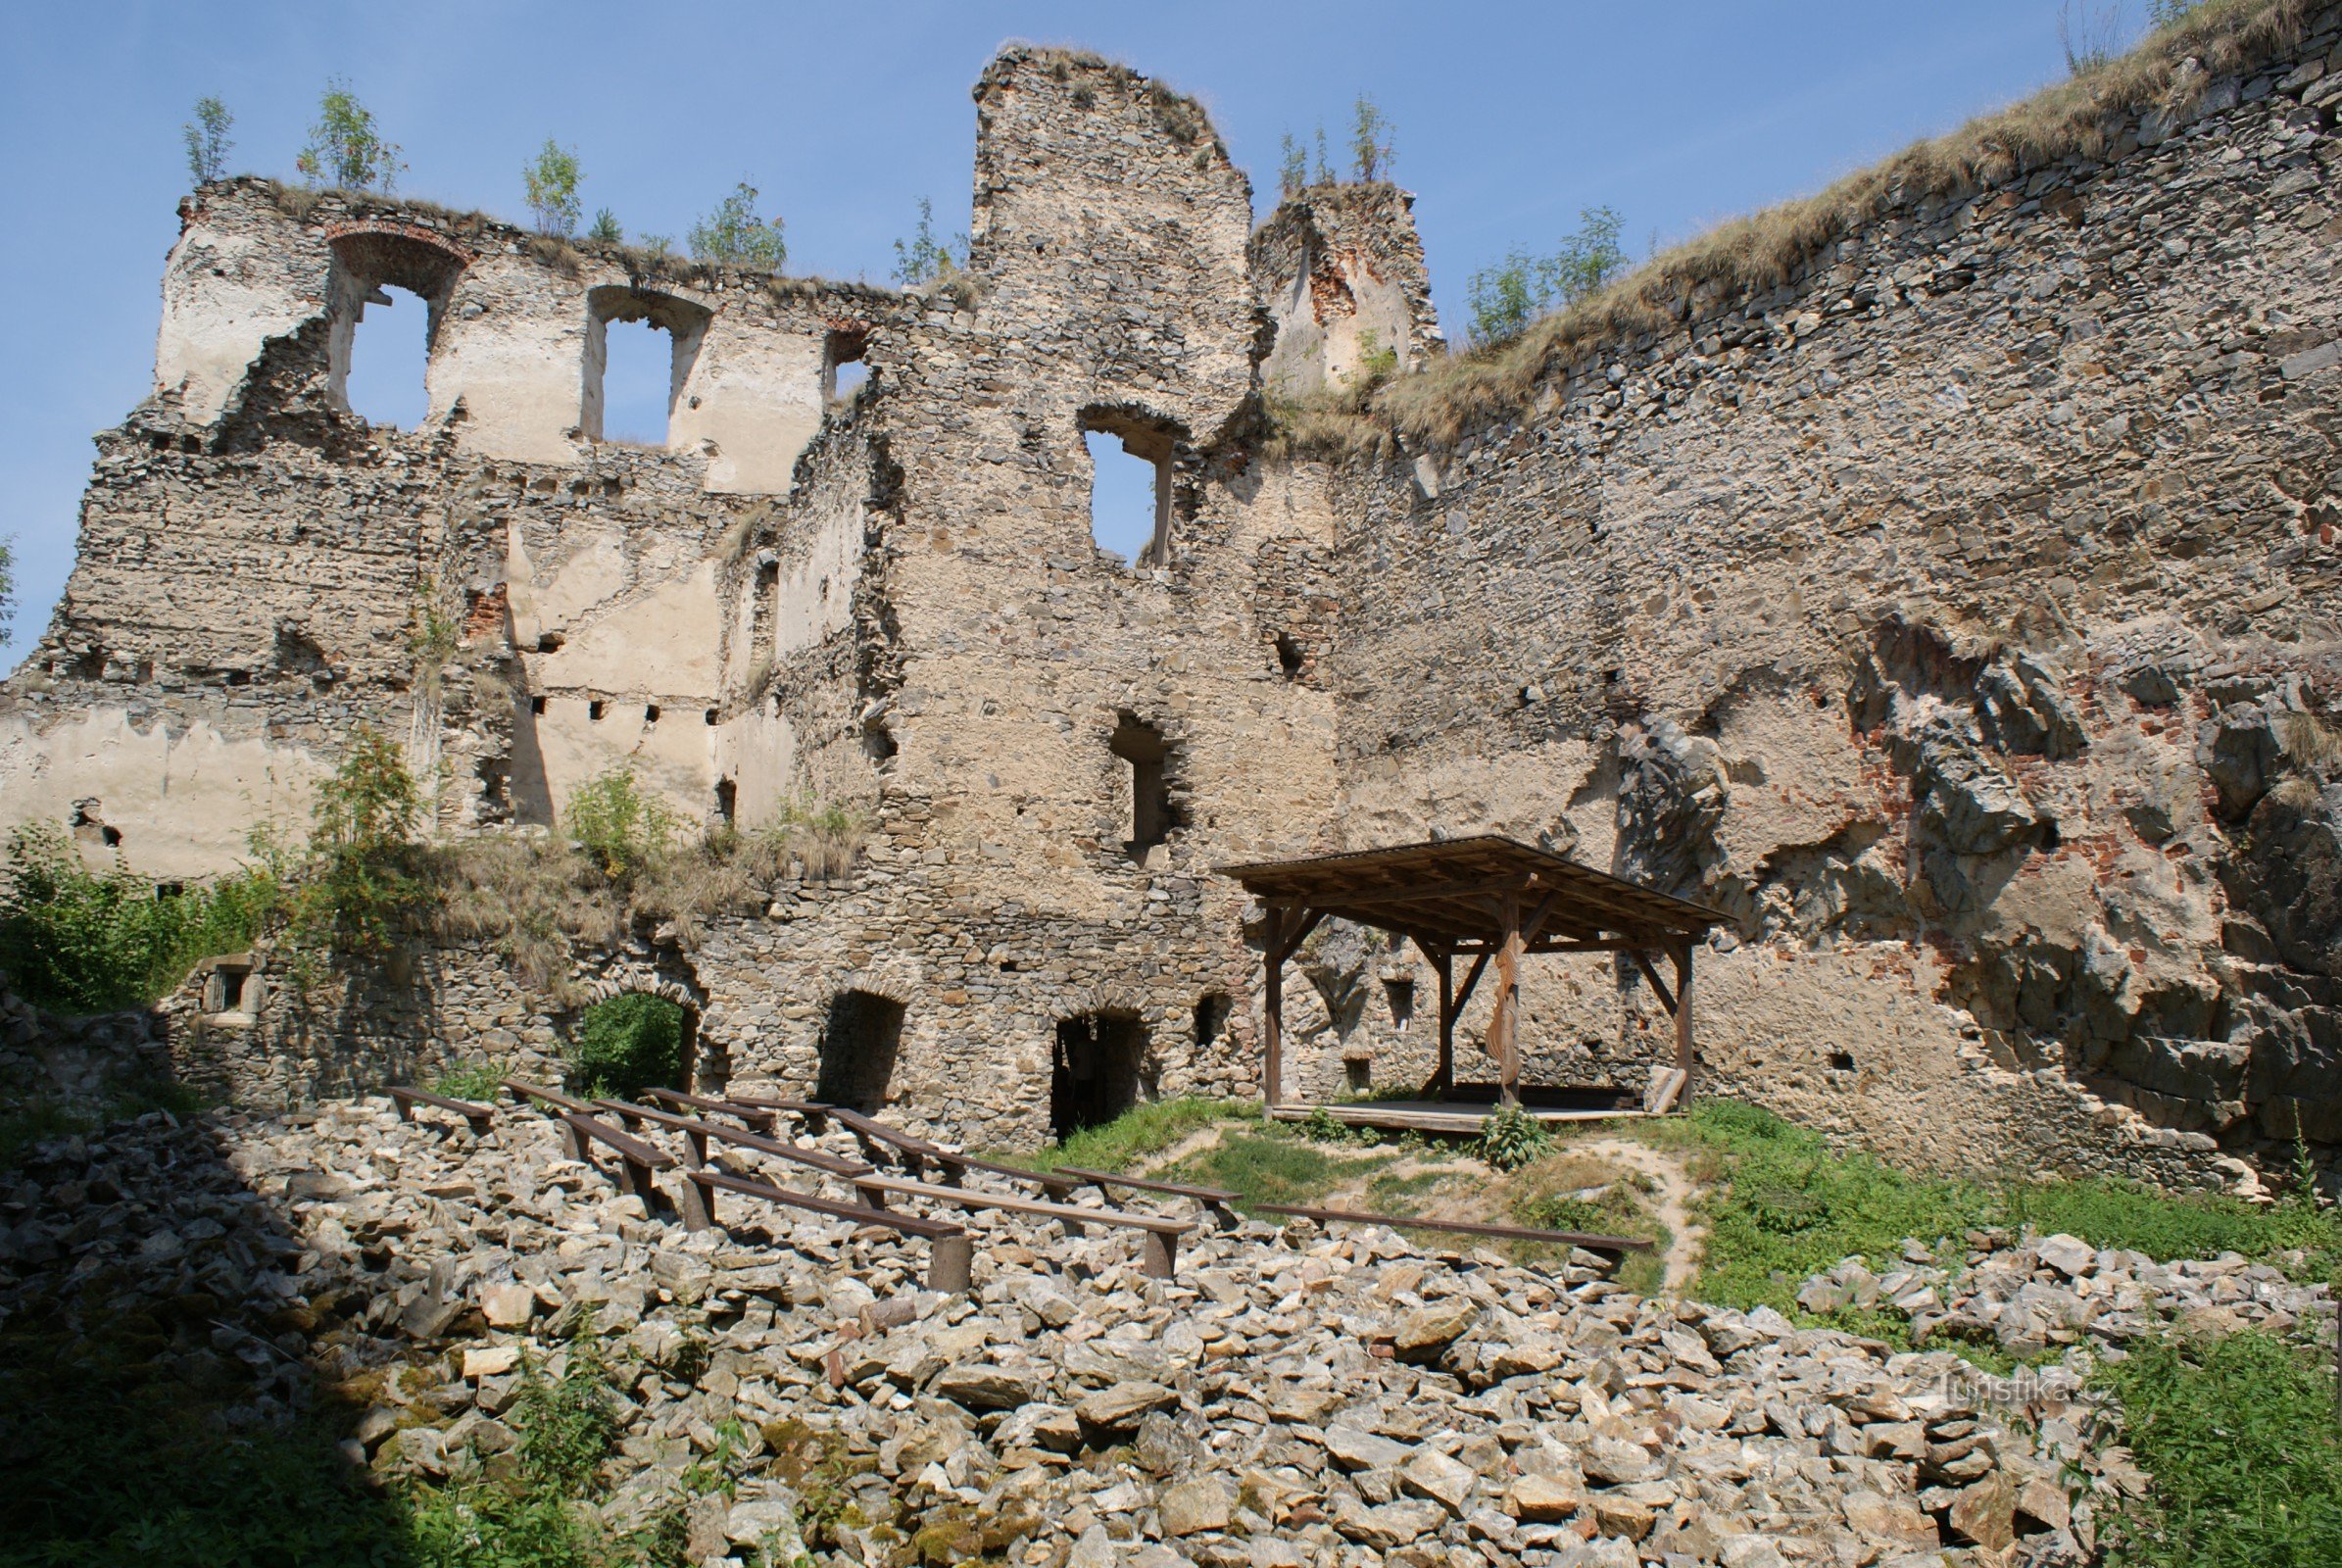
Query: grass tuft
[(1139, 1132)]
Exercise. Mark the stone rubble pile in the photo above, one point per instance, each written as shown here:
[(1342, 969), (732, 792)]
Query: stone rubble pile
[(1293, 1397)]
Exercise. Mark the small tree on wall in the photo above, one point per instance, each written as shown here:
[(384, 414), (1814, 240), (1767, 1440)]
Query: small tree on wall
[(735, 236), (1372, 146), (345, 148), (627, 1044), (923, 259), (551, 179), (206, 140)]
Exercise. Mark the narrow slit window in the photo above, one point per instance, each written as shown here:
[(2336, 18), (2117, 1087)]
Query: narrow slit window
[(1143, 747), (388, 354)]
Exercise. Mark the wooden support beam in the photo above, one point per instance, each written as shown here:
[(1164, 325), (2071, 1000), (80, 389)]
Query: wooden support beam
[(1444, 1073), (1504, 1020), (1667, 999), (1682, 1012), (1480, 964)]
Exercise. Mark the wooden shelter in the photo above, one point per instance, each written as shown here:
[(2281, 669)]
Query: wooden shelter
[(1490, 902)]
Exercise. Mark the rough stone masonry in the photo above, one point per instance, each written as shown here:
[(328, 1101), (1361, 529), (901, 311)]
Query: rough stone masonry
[(1959, 615)]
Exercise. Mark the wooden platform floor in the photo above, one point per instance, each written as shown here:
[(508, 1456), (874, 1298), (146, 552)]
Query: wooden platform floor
[(1438, 1115)]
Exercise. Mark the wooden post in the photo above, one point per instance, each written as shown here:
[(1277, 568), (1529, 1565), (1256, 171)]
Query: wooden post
[(1444, 1079), (1503, 1021), (1682, 1011), (1272, 1023)]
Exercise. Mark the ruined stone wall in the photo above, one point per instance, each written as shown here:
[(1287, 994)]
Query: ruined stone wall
[(520, 601), (1340, 270), (1954, 615)]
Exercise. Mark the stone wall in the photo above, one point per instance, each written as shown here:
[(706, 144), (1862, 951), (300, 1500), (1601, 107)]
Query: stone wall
[(1952, 614), (1957, 616)]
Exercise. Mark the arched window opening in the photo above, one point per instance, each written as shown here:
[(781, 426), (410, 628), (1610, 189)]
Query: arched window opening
[(640, 349), (1142, 746), (1130, 485), (385, 293), (1096, 1072), (858, 1044)]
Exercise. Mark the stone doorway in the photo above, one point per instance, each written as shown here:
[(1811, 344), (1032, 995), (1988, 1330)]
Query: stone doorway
[(858, 1051), (1095, 1074)]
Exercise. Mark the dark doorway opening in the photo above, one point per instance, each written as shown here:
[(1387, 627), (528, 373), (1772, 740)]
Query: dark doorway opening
[(1095, 1074), (858, 1051)]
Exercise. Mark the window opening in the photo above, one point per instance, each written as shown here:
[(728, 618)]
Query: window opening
[(727, 799), (640, 348), (1288, 656), (230, 989), (649, 712), (1358, 1075), (536, 704), (1142, 746), (1400, 994), (1095, 1072), (1211, 1018), (858, 1051), (844, 368), (710, 716), (594, 710), (1130, 497), (637, 383), (383, 381)]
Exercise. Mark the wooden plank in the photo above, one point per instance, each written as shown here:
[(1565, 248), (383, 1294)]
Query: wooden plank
[(1065, 1213), (1272, 1020), (1509, 1233), (548, 1097), (1504, 1021), (480, 1117), (1666, 1088), (760, 1117), (1215, 1200), (951, 1252), (1404, 1118), (629, 1148), (700, 1131)]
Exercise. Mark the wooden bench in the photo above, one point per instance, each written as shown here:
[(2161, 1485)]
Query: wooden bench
[(1215, 1200), (951, 1252), (637, 1159), (757, 1116), (479, 1117), (697, 1133), (1160, 1233)]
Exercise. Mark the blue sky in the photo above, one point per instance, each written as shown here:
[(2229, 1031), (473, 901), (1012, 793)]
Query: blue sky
[(1510, 116)]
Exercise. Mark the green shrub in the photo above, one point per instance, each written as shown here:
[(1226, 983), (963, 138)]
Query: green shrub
[(733, 235), (471, 1080), (621, 827), (1511, 1137), (628, 1044), (345, 148), (77, 941), (2241, 1439), (1507, 297), (360, 881)]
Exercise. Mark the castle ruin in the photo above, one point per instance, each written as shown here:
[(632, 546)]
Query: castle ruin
[(1956, 611)]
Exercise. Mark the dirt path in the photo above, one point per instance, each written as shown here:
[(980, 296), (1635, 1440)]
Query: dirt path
[(1673, 1200)]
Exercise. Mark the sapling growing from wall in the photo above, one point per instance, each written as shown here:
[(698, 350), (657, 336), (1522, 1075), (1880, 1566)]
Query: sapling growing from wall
[(735, 236), (1292, 168), (1372, 146), (923, 259), (345, 148), (551, 179), (1507, 297), (206, 140), (605, 230), (7, 585)]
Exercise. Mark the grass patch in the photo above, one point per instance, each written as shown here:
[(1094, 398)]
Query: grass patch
[(2241, 1439), (1273, 1167), (1780, 1205), (1137, 1133)]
